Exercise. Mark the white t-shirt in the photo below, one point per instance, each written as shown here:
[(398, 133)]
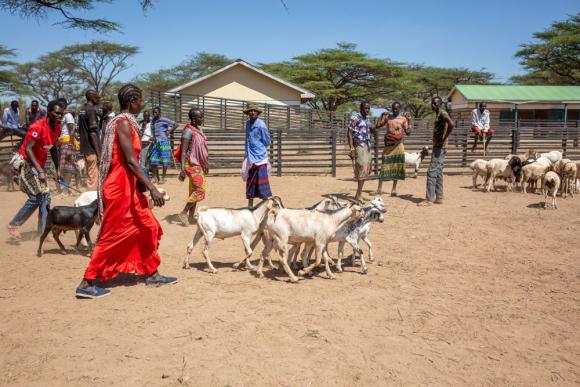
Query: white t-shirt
[(67, 119), (147, 135)]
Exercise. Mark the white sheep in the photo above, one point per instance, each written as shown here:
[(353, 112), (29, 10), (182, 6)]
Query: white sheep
[(533, 172), (550, 186), (293, 226), (416, 158), (553, 156), (479, 168), (568, 170), (225, 223), (498, 168)]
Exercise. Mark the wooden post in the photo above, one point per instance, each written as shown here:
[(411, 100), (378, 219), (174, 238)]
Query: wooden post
[(464, 142), (333, 147), (565, 131), (279, 151), (376, 151)]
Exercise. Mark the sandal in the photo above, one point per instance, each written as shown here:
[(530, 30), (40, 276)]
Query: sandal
[(14, 232)]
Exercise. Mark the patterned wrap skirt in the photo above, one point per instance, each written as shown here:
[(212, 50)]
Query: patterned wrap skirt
[(197, 183), (393, 167), (258, 184), (362, 163), (161, 154), (68, 158), (30, 184)]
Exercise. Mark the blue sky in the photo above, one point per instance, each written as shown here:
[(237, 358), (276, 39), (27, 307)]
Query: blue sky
[(472, 34)]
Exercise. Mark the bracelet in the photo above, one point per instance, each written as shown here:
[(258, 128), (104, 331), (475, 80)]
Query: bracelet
[(352, 149)]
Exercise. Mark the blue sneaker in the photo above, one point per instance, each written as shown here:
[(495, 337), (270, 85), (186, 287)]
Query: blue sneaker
[(161, 281), (92, 292)]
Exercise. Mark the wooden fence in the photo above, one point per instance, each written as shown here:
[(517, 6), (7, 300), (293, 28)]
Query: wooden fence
[(302, 146)]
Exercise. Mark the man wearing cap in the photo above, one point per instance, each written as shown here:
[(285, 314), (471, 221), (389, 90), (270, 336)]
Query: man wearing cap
[(257, 143)]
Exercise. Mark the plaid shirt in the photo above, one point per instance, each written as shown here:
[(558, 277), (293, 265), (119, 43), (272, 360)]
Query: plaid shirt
[(361, 129)]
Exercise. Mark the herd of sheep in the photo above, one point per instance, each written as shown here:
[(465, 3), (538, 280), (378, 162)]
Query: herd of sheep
[(553, 173)]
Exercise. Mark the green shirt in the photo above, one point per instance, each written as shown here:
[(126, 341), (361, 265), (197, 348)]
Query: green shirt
[(440, 129)]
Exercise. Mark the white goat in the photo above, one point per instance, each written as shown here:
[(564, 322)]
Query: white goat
[(415, 159), (479, 168), (352, 232), (286, 226), (225, 223), (550, 186)]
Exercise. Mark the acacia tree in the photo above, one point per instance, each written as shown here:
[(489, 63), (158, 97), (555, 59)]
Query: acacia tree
[(8, 79), (339, 76), (192, 67), (419, 84), (67, 10), (98, 63), (555, 57), (51, 77)]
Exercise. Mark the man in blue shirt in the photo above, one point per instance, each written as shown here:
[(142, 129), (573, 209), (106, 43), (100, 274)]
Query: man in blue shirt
[(11, 122), (160, 156), (257, 144)]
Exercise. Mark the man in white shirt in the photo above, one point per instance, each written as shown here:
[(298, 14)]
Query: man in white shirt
[(146, 141), (480, 125)]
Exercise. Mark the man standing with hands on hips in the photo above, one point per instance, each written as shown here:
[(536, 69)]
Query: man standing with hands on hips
[(442, 128)]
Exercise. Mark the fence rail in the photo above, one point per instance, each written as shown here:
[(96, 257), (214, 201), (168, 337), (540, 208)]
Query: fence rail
[(323, 150)]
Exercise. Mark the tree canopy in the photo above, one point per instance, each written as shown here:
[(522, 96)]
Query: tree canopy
[(99, 62), (339, 76), (8, 77), (419, 84), (68, 10), (555, 56)]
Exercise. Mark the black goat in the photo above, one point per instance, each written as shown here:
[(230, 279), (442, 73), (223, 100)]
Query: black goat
[(62, 219)]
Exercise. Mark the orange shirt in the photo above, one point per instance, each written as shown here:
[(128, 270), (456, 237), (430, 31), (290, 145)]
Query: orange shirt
[(396, 126)]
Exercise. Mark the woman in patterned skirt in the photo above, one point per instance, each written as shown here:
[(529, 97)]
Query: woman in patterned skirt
[(393, 167)]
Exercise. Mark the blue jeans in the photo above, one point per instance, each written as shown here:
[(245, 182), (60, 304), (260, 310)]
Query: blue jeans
[(435, 175), (40, 201)]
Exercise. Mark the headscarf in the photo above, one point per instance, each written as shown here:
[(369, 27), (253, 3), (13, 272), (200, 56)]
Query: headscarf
[(107, 153)]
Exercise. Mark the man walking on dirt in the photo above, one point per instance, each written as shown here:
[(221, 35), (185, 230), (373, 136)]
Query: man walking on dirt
[(442, 128), (90, 146)]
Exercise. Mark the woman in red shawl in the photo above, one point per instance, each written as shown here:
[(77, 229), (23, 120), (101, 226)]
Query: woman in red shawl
[(130, 233)]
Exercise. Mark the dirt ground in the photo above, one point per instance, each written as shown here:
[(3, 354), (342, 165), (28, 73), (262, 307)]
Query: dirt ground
[(483, 290)]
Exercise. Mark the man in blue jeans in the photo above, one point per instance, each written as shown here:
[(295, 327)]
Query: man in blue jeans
[(442, 128), (41, 138)]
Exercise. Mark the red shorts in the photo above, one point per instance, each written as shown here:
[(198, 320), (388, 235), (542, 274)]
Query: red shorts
[(476, 130)]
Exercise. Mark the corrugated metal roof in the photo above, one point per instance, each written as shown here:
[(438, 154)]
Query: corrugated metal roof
[(519, 93)]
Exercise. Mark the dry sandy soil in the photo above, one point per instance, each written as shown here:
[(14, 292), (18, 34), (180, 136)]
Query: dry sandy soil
[(483, 290)]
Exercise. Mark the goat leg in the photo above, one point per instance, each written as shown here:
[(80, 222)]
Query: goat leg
[(340, 256), (190, 246), (370, 246), (87, 233), (206, 255), (284, 262), (57, 239), (329, 272), (42, 238)]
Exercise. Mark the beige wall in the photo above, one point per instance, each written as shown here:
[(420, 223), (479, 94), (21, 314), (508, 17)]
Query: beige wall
[(239, 82)]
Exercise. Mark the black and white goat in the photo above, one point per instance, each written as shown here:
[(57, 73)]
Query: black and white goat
[(415, 159), (62, 219)]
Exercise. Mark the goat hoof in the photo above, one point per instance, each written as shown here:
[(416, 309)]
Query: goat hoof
[(332, 277), (301, 272), (63, 252), (339, 269), (260, 275), (365, 270), (236, 265), (294, 280), (213, 271)]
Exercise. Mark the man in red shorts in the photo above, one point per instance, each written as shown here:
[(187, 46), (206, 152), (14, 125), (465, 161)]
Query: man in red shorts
[(480, 125)]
